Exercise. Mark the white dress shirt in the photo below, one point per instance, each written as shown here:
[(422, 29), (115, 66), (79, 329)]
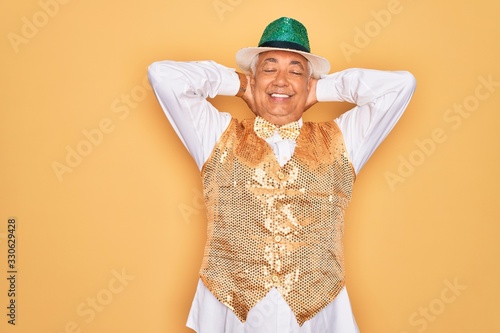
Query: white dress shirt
[(182, 89)]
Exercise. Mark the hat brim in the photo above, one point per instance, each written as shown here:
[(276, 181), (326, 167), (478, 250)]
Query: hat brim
[(245, 56)]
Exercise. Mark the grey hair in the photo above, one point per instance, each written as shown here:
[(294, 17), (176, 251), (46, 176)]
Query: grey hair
[(253, 65)]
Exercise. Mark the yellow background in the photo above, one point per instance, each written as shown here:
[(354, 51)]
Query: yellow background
[(132, 205)]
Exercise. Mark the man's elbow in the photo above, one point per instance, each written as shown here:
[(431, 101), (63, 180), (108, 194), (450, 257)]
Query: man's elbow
[(163, 69), (154, 71), (409, 82)]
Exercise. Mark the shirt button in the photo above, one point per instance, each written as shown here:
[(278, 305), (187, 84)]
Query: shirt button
[(281, 175), (275, 278), (279, 205), (277, 239)]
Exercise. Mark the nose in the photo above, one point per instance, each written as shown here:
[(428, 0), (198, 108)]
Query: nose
[(281, 79)]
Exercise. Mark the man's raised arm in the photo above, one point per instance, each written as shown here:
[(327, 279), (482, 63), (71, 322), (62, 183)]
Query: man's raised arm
[(182, 89), (380, 97)]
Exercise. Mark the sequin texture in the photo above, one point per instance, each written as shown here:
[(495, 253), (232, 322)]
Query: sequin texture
[(286, 29), (276, 227)]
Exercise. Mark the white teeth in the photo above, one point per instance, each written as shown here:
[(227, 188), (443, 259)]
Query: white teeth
[(280, 95)]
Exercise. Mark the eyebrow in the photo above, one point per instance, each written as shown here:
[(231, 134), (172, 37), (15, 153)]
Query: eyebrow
[(296, 62), (293, 62)]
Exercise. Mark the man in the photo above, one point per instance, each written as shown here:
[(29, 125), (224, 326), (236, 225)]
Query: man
[(276, 187)]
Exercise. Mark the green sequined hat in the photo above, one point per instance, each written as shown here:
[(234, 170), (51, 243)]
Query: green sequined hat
[(285, 34)]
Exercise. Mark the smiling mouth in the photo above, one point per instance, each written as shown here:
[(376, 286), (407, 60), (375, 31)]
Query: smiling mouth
[(276, 95)]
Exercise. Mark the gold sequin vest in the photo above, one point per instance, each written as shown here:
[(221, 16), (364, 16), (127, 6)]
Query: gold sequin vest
[(276, 227)]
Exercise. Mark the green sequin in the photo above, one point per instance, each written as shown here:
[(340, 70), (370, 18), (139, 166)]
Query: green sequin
[(286, 29)]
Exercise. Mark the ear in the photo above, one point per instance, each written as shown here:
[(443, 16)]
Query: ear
[(252, 80), (310, 84)]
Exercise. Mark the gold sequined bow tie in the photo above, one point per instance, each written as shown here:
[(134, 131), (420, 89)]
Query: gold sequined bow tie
[(265, 129)]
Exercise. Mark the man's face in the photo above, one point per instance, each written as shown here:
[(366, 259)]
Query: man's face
[(280, 86)]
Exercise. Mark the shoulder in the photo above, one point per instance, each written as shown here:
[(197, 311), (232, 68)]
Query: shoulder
[(330, 127)]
